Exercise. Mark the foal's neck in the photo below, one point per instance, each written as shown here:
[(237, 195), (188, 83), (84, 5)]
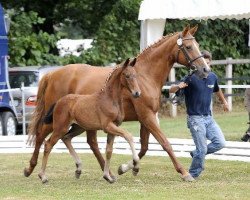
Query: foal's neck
[(113, 88)]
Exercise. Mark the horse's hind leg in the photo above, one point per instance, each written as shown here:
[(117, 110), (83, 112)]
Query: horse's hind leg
[(109, 151), (92, 141), (74, 131), (45, 130)]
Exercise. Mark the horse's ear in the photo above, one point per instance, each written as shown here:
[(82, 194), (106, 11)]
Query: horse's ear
[(185, 31), (125, 64), (133, 62), (193, 30)]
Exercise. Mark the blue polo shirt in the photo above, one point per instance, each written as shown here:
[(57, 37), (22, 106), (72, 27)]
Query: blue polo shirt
[(198, 94)]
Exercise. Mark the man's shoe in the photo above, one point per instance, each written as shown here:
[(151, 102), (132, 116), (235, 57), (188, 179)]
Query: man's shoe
[(245, 137)]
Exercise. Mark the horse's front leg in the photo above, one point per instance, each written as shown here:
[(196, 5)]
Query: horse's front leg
[(150, 122), (144, 138), (40, 137), (109, 151)]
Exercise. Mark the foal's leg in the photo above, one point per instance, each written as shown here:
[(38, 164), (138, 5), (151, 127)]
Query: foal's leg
[(40, 137), (144, 135), (47, 149), (113, 129), (74, 131), (109, 151), (73, 153)]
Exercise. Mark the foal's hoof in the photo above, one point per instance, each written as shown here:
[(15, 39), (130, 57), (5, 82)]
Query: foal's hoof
[(78, 173), (135, 171), (188, 178), (26, 172), (43, 179), (109, 179), (120, 170)]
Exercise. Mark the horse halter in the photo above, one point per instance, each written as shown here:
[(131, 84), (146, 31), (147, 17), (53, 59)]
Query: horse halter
[(183, 48)]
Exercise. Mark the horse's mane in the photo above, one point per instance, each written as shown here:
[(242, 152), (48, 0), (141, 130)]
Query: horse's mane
[(110, 75), (156, 44)]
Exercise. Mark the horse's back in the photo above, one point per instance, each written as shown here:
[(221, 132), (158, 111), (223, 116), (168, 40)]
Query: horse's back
[(76, 79)]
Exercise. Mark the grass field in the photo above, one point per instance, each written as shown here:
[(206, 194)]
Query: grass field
[(156, 180), (233, 125)]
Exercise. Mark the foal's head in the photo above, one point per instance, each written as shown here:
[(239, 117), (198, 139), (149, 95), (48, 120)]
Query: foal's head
[(189, 53), (129, 78)]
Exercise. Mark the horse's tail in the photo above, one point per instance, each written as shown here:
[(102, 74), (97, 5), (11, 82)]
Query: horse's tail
[(48, 119), (39, 112)]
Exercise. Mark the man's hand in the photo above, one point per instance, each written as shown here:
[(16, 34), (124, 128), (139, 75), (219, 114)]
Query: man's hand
[(182, 85), (175, 88)]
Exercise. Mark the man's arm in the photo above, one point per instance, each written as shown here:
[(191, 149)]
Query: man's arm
[(220, 95), (175, 88)]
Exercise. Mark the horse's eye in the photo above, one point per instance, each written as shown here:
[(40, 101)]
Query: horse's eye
[(189, 47), (127, 76)]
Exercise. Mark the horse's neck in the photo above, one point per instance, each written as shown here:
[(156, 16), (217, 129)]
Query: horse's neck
[(156, 62), (113, 90)]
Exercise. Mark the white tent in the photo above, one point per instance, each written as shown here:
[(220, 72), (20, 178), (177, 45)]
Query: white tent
[(153, 14)]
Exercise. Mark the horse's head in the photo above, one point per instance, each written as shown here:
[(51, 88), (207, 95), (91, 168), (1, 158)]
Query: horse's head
[(189, 53), (128, 78)]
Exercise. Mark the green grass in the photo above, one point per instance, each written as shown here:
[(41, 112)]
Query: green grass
[(233, 125), (157, 179)]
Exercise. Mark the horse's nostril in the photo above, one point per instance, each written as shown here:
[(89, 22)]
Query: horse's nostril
[(205, 69), (137, 94)]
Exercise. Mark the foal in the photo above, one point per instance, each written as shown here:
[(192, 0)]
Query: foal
[(100, 111)]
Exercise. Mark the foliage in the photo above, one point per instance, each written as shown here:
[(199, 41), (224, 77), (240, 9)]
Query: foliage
[(27, 47), (223, 38), (77, 19), (115, 28), (118, 35)]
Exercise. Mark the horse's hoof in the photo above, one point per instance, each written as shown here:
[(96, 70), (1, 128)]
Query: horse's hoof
[(188, 178), (120, 170), (43, 179), (135, 171), (109, 179), (26, 172), (78, 173), (113, 177)]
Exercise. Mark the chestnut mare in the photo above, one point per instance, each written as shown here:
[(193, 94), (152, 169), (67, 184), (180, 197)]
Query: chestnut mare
[(101, 110), (152, 66)]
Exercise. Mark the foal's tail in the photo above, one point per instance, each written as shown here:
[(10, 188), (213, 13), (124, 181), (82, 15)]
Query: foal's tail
[(48, 119), (37, 116)]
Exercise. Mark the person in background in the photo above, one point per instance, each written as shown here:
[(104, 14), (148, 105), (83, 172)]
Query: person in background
[(246, 136), (198, 97)]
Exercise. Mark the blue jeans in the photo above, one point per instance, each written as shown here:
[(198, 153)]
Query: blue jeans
[(203, 128)]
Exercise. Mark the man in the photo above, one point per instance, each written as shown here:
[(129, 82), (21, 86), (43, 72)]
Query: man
[(198, 96), (246, 136)]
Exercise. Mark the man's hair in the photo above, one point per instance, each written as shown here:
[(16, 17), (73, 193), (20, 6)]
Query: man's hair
[(206, 54)]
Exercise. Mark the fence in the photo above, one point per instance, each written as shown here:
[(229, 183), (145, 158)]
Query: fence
[(238, 151), (229, 62)]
